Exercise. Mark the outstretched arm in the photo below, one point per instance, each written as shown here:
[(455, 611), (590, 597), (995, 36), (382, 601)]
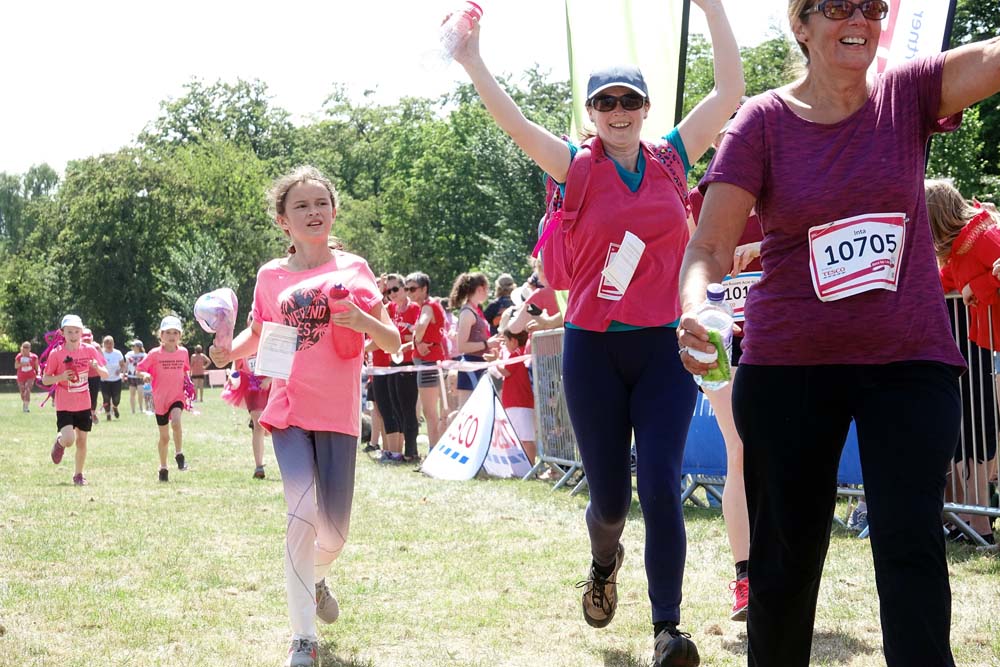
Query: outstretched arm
[(971, 73), (546, 149), (700, 127)]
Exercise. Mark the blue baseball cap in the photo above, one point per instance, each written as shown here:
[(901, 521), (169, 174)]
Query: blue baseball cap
[(617, 75)]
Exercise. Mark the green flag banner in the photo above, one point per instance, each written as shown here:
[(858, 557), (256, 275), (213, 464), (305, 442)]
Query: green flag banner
[(645, 33)]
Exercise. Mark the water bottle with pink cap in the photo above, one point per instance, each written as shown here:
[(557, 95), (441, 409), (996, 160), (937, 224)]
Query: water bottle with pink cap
[(456, 26)]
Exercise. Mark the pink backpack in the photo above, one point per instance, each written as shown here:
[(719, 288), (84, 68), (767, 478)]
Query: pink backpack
[(561, 212)]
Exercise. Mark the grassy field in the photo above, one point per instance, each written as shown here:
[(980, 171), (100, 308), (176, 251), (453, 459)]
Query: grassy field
[(131, 571)]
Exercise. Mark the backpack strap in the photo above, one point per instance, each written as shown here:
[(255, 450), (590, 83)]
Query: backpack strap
[(666, 158), (577, 180)]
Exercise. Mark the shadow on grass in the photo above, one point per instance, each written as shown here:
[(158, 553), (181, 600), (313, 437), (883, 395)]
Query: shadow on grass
[(328, 658), (830, 647), (618, 658)]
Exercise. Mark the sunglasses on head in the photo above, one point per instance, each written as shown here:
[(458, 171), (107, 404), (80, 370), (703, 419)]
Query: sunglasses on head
[(629, 102), (391, 290), (841, 10)]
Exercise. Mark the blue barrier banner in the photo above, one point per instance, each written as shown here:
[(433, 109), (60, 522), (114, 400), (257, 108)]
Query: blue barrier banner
[(705, 450)]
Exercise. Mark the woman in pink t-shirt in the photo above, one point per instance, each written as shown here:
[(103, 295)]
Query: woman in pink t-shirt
[(26, 363), (847, 322), (328, 300)]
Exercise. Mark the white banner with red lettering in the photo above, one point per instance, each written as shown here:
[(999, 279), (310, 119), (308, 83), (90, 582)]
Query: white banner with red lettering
[(480, 435), (913, 28)]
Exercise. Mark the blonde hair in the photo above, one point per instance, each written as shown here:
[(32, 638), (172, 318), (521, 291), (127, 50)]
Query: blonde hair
[(948, 213), (795, 13), (279, 190)]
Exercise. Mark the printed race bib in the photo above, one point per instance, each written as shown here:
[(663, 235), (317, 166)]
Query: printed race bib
[(737, 290), (857, 254)]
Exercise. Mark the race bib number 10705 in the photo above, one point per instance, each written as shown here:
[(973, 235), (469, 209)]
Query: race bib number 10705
[(855, 255)]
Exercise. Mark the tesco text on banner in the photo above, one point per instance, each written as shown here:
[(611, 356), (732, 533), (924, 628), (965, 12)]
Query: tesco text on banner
[(464, 446)]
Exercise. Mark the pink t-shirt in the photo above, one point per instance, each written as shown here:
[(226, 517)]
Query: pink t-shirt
[(27, 366), (168, 370), (72, 395), (323, 392), (806, 174)]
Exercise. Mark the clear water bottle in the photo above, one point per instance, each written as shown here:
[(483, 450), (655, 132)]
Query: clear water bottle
[(717, 317), (456, 27)]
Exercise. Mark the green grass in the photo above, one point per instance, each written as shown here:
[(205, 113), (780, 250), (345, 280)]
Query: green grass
[(131, 571)]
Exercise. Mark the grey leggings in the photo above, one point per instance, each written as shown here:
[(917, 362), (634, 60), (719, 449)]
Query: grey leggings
[(317, 471)]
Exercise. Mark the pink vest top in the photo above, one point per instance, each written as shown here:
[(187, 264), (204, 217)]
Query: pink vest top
[(657, 215)]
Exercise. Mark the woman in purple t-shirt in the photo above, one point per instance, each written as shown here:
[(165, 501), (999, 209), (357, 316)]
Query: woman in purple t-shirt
[(848, 322)]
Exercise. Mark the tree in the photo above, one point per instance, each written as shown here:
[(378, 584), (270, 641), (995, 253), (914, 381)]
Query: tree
[(975, 21), (240, 113)]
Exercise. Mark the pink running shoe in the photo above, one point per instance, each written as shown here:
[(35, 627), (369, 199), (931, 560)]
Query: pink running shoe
[(741, 599), (57, 451), (79, 480)]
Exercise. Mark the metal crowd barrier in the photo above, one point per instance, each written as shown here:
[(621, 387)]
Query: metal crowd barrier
[(554, 435), (968, 492)]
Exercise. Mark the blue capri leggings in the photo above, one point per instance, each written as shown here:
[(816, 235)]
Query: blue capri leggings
[(617, 382)]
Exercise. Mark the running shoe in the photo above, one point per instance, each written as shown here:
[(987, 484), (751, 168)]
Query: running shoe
[(57, 451), (258, 472), (673, 648), (164, 475), (370, 448), (391, 457), (741, 598), (858, 520), (79, 480), (327, 608), (181, 465), (25, 409), (115, 409), (302, 653), (600, 594)]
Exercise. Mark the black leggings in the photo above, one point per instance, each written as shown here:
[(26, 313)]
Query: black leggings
[(380, 394), (94, 384), (403, 392), (111, 393), (793, 421)]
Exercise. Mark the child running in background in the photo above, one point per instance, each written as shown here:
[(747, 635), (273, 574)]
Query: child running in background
[(135, 384), (166, 367), (26, 363), (330, 299), (245, 389), (199, 369), (517, 397), (67, 367)]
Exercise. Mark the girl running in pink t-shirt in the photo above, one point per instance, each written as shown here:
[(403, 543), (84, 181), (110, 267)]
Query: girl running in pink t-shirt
[(331, 300), (67, 367), (26, 363), (167, 367)]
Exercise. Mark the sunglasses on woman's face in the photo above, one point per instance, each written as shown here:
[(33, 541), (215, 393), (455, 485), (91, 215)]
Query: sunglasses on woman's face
[(841, 10), (629, 102), (412, 288), (391, 290)]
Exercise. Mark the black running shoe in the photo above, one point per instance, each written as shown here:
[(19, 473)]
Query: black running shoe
[(181, 465), (164, 475), (673, 648)]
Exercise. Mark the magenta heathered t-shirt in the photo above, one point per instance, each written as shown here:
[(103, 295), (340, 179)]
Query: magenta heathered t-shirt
[(805, 174)]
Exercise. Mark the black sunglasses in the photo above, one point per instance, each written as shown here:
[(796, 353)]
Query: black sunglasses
[(629, 101), (391, 290), (412, 288), (841, 10)]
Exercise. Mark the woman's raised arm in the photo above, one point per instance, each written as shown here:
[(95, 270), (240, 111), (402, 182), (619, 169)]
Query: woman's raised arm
[(546, 149), (700, 127)]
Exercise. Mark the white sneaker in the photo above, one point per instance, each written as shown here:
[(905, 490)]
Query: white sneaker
[(302, 653), (327, 608)]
